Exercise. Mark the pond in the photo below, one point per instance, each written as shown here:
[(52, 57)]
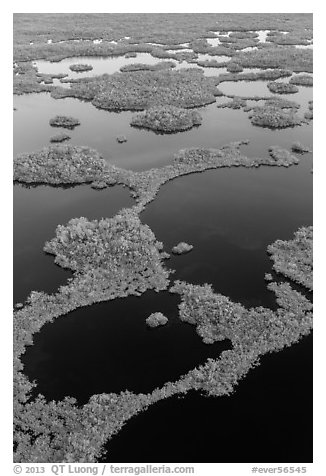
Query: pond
[(145, 149), (109, 348), (268, 418), (37, 212), (230, 216), (108, 65)]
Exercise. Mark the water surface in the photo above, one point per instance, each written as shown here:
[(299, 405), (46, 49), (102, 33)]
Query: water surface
[(37, 212)]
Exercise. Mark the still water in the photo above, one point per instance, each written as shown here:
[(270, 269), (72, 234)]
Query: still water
[(37, 212), (230, 216)]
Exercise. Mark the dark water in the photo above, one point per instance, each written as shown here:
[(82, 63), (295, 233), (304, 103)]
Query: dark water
[(230, 216), (108, 348), (100, 65), (267, 420), (37, 212)]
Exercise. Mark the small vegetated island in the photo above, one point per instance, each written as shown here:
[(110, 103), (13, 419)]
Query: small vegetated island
[(156, 319), (120, 256), (67, 122), (80, 68)]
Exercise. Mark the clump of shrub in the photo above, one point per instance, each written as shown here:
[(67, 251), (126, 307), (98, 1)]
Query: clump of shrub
[(99, 185), (299, 148), (294, 258), (167, 119), (182, 248), (148, 67), (282, 156), (236, 103), (281, 103), (302, 80), (187, 88), (121, 139), (80, 68), (310, 113), (278, 87), (156, 319), (294, 59), (274, 117), (234, 68), (67, 122), (131, 54), (60, 138), (60, 164)]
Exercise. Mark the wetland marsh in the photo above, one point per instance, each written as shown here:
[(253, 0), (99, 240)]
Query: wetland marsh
[(94, 260)]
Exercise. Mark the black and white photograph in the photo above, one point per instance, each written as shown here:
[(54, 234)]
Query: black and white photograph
[(162, 241)]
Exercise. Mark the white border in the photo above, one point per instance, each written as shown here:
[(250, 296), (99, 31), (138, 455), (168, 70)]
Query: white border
[(319, 466)]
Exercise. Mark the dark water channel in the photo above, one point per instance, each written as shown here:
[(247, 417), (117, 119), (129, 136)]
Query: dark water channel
[(109, 348), (267, 419), (37, 212)]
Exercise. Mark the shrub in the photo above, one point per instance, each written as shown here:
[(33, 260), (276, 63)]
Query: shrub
[(79, 68), (294, 258), (67, 122), (140, 90), (60, 138), (302, 80), (121, 139), (282, 88), (148, 67), (274, 117), (167, 119), (156, 319), (62, 164), (182, 248), (299, 148), (234, 68)]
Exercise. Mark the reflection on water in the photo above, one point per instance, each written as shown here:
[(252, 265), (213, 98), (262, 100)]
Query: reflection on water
[(144, 149), (37, 212), (230, 216)]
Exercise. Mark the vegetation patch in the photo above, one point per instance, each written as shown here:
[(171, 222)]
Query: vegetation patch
[(60, 137), (67, 122), (302, 80), (234, 68), (80, 68), (310, 113), (140, 90), (278, 87), (121, 139), (148, 67), (274, 117), (99, 185), (299, 148), (236, 103), (156, 319), (294, 258), (167, 119), (181, 248), (63, 164), (294, 59)]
